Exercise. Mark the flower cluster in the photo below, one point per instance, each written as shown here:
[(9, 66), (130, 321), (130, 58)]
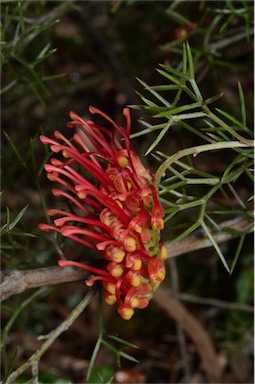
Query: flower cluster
[(117, 214)]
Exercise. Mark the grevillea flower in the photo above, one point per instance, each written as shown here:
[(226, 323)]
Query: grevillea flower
[(117, 214)]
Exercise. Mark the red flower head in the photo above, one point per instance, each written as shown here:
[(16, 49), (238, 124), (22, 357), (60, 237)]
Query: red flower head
[(117, 214)]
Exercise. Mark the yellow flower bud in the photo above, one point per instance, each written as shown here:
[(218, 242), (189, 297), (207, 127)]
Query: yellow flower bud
[(125, 313), (110, 299), (122, 161)]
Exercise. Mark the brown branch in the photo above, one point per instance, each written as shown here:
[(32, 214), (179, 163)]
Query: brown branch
[(175, 288), (239, 226), (194, 330), (19, 281)]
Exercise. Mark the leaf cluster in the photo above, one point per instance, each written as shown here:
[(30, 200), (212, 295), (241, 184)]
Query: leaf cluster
[(218, 26), (185, 190), (107, 340), (24, 49)]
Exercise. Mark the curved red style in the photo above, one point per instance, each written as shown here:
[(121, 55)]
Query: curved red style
[(116, 209)]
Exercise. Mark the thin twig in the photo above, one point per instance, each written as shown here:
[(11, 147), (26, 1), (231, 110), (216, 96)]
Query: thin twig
[(19, 281), (64, 326), (180, 333), (223, 43), (202, 148), (197, 240), (35, 372), (216, 303), (194, 330), (55, 14)]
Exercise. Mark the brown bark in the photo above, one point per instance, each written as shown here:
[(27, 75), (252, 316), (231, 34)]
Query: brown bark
[(194, 330), (18, 281)]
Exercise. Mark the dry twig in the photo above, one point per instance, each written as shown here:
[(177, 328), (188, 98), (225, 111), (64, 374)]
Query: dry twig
[(230, 230), (19, 281), (64, 326), (194, 330)]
